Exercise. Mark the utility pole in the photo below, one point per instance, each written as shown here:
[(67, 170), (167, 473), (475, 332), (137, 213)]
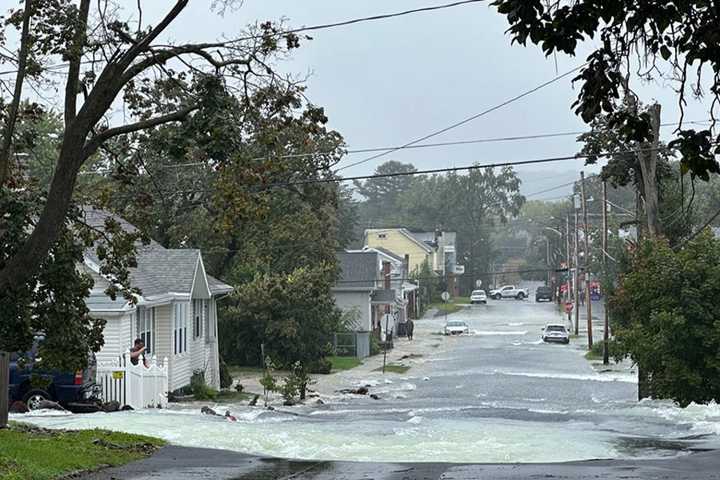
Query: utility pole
[(606, 331), (547, 258), (648, 166), (567, 250), (586, 262), (576, 202)]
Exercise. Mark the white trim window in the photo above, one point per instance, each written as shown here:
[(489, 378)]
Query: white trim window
[(180, 327), (198, 310), (206, 315), (146, 328)]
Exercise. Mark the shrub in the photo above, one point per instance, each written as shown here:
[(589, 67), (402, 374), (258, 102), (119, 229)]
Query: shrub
[(374, 345), (322, 365), (200, 389), (226, 379)]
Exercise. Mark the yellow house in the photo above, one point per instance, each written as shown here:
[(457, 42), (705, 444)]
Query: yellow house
[(401, 242)]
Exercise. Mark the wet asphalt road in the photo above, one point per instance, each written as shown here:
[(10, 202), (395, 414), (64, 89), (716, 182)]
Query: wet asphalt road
[(483, 402)]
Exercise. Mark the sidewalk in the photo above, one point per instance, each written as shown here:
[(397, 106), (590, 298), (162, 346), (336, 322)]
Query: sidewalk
[(405, 352)]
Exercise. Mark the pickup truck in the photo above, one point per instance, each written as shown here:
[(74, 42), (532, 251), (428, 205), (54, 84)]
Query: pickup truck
[(509, 291)]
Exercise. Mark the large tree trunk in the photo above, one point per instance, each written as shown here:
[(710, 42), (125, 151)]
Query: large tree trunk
[(648, 166)]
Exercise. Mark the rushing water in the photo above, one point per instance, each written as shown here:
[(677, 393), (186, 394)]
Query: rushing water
[(499, 395)]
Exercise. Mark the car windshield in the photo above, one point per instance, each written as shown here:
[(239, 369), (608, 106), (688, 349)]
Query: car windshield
[(456, 324), (478, 292), (543, 289), (555, 328)]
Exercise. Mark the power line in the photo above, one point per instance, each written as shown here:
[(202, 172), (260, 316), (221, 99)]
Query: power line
[(324, 26), (466, 120), (446, 144), (460, 169), (550, 189), (698, 231)]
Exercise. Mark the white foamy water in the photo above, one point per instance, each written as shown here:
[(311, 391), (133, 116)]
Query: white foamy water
[(417, 439)]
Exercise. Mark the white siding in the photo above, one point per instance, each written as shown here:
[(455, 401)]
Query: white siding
[(181, 366), (358, 302), (118, 336), (212, 373)]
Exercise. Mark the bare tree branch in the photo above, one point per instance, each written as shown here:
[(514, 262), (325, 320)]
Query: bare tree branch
[(9, 130), (75, 54), (95, 142)]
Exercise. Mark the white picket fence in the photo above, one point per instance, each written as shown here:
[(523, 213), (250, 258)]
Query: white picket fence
[(134, 385)]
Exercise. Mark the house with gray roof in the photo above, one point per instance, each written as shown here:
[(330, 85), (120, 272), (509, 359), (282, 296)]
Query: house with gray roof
[(175, 314), (361, 293)]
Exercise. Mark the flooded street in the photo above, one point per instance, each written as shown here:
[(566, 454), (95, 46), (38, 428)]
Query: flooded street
[(496, 395)]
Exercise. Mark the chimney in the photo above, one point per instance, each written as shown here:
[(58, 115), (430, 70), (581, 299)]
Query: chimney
[(386, 275)]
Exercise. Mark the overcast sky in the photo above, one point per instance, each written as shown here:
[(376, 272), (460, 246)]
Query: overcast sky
[(388, 82)]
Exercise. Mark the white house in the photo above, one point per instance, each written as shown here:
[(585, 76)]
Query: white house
[(175, 314)]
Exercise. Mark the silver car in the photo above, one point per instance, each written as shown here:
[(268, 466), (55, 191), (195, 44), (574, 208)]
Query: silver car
[(478, 296), (554, 332), (456, 327)]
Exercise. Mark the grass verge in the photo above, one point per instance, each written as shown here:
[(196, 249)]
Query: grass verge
[(343, 363), (30, 453), (393, 368), (234, 396), (443, 308), (239, 371)]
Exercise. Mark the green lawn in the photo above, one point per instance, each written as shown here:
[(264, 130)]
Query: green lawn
[(28, 453), (343, 363), (443, 308), (237, 370), (234, 396), (394, 368)]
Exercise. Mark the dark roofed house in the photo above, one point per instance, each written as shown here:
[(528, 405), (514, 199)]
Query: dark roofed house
[(360, 292), (175, 313)]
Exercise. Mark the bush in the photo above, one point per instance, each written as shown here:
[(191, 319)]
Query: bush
[(226, 379), (374, 345), (323, 366), (200, 389)]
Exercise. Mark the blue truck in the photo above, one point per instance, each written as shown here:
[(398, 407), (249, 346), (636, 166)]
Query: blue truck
[(31, 384)]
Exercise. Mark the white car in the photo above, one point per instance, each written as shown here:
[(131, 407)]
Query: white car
[(478, 296), (456, 327), (509, 291), (555, 332)]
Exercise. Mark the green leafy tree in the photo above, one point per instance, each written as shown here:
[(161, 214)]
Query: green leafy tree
[(664, 318), (381, 194), (291, 315), (673, 39), (471, 205)]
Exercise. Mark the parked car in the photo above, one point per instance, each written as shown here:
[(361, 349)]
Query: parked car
[(456, 327), (543, 293), (509, 291), (478, 296), (555, 333), (31, 383)]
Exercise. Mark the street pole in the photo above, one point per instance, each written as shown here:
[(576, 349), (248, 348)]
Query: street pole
[(606, 331), (4, 388), (586, 232), (577, 271), (547, 257), (567, 248)]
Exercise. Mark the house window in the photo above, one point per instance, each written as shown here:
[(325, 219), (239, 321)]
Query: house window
[(146, 328), (206, 316), (180, 327), (197, 315)]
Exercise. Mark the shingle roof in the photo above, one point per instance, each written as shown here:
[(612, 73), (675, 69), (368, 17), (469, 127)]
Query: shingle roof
[(389, 253), (159, 270), (357, 269), (100, 302)]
